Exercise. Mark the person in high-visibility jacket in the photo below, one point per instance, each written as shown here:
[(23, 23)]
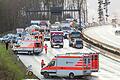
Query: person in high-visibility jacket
[(45, 48), (42, 63), (41, 37)]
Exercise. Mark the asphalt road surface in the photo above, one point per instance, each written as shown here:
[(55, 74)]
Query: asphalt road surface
[(108, 68), (104, 34)]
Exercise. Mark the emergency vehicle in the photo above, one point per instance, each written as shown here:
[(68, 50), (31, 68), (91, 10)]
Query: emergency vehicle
[(28, 47), (56, 38), (71, 65), (39, 36)]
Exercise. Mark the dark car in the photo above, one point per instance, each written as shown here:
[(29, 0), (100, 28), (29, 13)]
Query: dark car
[(117, 32)]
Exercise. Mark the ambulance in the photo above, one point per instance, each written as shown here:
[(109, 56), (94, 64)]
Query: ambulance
[(71, 65), (28, 47)]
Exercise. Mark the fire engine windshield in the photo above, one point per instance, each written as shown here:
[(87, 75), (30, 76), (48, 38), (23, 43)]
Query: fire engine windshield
[(43, 24), (57, 37), (52, 63)]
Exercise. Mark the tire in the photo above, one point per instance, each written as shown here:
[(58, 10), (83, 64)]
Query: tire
[(61, 46), (29, 52), (37, 53), (46, 75), (51, 46), (15, 52), (71, 75), (48, 39), (70, 45), (81, 47), (30, 73)]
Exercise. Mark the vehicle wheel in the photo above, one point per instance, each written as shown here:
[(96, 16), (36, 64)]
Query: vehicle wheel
[(48, 39), (81, 47), (51, 46), (71, 75), (61, 46), (70, 45), (37, 53), (29, 52), (46, 75), (30, 73)]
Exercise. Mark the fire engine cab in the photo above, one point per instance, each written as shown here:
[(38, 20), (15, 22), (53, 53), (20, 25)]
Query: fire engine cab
[(72, 64)]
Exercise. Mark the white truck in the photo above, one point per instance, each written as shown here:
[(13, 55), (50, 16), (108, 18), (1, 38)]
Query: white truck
[(43, 24), (72, 64), (75, 39), (20, 30)]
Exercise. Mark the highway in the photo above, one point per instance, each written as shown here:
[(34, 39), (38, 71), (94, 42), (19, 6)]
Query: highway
[(109, 69), (104, 34)]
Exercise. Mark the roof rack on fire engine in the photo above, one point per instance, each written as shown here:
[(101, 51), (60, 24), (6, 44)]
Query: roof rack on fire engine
[(79, 53), (76, 53)]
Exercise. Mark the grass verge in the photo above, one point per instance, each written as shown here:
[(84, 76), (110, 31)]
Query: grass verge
[(10, 67)]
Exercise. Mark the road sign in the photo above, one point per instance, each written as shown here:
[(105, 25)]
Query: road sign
[(56, 10)]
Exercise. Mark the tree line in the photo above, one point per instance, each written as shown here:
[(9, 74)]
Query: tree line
[(13, 12), (10, 15)]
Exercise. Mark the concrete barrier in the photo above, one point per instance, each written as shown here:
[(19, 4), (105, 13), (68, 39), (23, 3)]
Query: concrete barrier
[(101, 44)]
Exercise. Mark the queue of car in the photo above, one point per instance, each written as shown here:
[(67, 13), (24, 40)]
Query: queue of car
[(63, 26), (10, 38), (31, 41)]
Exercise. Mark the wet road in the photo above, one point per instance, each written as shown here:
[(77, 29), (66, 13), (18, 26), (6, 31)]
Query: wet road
[(109, 69)]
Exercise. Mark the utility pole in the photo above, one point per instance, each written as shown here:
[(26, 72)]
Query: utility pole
[(100, 11), (106, 3), (79, 13)]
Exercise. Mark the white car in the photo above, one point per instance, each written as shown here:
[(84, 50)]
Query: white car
[(47, 37), (78, 43), (1, 39)]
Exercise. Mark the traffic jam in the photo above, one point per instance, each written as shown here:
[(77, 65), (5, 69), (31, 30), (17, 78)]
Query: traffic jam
[(31, 41)]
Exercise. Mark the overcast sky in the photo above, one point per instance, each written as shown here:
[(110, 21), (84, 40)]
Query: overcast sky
[(114, 8)]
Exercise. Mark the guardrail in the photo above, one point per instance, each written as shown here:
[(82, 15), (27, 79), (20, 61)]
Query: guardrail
[(101, 44)]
